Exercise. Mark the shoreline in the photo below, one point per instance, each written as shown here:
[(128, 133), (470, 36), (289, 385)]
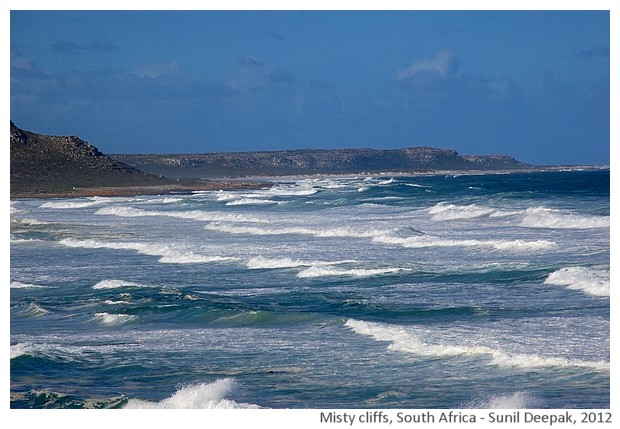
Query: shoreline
[(133, 191), (258, 182)]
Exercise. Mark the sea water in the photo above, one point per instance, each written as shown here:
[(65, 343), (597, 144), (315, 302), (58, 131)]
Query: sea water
[(438, 291)]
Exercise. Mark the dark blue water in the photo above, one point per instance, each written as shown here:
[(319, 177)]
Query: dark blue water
[(456, 291)]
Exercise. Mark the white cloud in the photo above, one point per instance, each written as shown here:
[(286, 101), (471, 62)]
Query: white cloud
[(444, 63), (154, 71)]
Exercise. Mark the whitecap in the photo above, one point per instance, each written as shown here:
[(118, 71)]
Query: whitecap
[(406, 340), (31, 310), (592, 281), (110, 302), (167, 254), (20, 285), (196, 396), (514, 401), (443, 211), (260, 262), (20, 349), (249, 201), (113, 319), (113, 284), (542, 217), (322, 271), (421, 241), (71, 204), (197, 215)]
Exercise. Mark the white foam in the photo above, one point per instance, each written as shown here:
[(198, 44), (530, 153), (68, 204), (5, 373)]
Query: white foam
[(541, 217), (33, 310), (592, 281), (167, 254), (407, 340), (260, 262), (24, 240), (294, 191), (197, 215), (385, 237), (113, 284), (255, 230), (196, 396), (20, 285), (421, 241), (443, 211), (170, 200), (113, 319), (33, 222), (249, 201), (71, 204), (515, 401), (20, 349), (322, 271), (110, 302)]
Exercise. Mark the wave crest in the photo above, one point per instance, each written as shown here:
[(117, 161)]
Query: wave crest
[(196, 396), (113, 319), (592, 281), (542, 217), (407, 341)]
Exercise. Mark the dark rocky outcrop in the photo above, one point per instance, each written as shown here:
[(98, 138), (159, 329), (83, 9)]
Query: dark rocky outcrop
[(43, 164)]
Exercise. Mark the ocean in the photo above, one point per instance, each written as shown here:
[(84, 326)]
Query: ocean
[(421, 292)]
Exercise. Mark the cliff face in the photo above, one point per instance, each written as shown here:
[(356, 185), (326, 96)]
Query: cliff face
[(313, 161), (42, 164)]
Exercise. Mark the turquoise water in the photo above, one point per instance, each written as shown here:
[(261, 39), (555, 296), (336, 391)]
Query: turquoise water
[(471, 291)]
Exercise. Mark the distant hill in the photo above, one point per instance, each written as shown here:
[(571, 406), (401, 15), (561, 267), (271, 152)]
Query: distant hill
[(316, 161), (42, 164)]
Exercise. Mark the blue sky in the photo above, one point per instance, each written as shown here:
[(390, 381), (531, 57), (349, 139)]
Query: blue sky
[(531, 84)]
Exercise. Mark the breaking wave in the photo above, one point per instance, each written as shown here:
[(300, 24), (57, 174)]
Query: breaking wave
[(167, 254), (197, 396), (31, 310), (514, 401), (421, 241), (541, 217), (322, 271), (198, 215), (385, 237), (71, 204), (20, 285), (113, 284), (20, 349), (532, 217), (592, 281), (443, 211), (250, 201), (407, 341), (113, 319), (260, 262)]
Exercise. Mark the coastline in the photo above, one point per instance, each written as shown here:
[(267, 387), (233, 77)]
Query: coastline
[(185, 186), (132, 191)]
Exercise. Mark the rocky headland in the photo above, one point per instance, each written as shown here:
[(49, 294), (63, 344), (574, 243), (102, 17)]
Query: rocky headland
[(62, 166), (66, 166)]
